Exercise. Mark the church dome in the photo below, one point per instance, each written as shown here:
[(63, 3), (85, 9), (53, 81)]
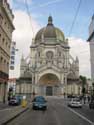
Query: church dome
[(50, 32)]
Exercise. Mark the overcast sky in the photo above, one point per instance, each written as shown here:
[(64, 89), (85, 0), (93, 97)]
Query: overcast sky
[(63, 12)]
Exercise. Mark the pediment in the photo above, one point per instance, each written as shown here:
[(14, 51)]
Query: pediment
[(45, 67)]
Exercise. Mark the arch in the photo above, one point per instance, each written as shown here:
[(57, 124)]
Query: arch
[(49, 79), (46, 70)]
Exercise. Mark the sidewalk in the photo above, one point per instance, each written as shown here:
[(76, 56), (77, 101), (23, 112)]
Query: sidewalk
[(7, 115), (3, 105)]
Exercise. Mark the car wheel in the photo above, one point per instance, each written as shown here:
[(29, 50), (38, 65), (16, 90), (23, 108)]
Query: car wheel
[(45, 108), (33, 108)]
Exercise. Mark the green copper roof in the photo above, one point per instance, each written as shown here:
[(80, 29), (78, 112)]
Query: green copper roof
[(50, 32)]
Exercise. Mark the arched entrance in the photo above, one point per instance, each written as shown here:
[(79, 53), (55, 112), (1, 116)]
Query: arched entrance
[(49, 82), (49, 90)]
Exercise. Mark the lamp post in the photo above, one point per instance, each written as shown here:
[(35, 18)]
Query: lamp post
[(34, 68), (93, 91)]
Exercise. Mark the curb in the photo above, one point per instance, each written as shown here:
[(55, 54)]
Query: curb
[(15, 116)]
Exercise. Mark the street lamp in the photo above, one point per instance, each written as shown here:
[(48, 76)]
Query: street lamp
[(93, 90), (34, 68)]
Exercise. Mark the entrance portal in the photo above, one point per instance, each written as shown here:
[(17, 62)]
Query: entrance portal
[(48, 82), (49, 91)]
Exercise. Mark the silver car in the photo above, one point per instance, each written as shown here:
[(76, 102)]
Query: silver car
[(75, 102)]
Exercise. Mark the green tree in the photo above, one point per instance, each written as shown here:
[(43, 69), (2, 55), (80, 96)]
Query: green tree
[(83, 78)]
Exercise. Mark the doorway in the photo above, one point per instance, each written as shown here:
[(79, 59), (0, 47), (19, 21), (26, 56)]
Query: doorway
[(49, 91)]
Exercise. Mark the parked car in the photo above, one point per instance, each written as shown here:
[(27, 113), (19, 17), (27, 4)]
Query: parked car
[(19, 98), (91, 104), (14, 101), (39, 102), (75, 102)]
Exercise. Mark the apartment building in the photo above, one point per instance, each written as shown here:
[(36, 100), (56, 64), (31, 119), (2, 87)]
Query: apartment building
[(6, 29)]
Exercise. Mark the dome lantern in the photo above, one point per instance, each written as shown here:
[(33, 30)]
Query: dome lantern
[(50, 20)]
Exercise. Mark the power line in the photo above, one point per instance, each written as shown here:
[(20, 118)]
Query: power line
[(76, 14), (28, 12)]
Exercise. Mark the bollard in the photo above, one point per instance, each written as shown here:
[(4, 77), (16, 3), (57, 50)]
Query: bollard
[(24, 103)]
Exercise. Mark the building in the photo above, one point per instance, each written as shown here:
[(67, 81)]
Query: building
[(91, 43), (24, 83), (53, 70), (6, 29), (89, 86)]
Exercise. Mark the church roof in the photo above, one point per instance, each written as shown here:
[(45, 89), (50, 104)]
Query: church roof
[(50, 32), (71, 75)]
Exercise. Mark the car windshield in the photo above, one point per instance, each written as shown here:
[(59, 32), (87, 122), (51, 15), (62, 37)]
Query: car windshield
[(39, 99), (76, 99)]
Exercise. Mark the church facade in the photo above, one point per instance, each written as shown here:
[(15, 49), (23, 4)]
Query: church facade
[(52, 69)]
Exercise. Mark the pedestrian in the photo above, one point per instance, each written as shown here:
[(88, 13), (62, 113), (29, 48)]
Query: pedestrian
[(88, 99), (64, 94), (84, 99)]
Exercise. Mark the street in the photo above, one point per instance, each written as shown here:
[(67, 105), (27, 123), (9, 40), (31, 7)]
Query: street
[(57, 114)]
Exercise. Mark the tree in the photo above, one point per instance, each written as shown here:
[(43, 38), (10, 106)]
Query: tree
[(83, 78), (93, 91)]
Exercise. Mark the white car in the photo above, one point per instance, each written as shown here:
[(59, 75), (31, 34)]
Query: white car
[(75, 102)]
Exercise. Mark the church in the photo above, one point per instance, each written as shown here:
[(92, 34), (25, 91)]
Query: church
[(51, 70)]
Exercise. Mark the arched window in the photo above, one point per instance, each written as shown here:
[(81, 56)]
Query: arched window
[(49, 54), (1, 59), (59, 53), (39, 54)]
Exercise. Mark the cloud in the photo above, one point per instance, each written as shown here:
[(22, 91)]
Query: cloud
[(19, 4), (23, 35), (19, 1), (80, 48), (10, 2), (48, 3)]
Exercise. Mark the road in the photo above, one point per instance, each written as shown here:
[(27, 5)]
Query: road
[(57, 114)]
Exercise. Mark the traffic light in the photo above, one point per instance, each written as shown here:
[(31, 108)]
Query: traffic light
[(10, 93)]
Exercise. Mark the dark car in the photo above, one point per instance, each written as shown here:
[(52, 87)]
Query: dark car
[(19, 98), (14, 101), (91, 104), (39, 102)]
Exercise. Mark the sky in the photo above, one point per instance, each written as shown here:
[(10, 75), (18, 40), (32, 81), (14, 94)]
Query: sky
[(63, 13)]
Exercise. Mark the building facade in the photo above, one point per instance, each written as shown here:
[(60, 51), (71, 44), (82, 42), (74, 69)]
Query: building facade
[(53, 70), (6, 29), (91, 43)]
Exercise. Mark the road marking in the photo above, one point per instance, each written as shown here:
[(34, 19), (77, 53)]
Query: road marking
[(81, 116), (5, 109), (57, 118), (78, 114)]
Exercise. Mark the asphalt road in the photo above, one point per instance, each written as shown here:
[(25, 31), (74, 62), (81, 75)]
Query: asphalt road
[(57, 114)]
